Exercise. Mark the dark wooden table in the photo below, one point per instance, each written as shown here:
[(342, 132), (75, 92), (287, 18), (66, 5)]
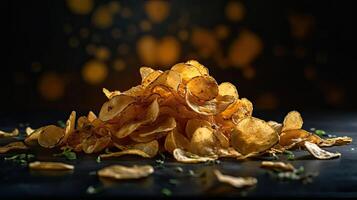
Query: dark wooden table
[(336, 178)]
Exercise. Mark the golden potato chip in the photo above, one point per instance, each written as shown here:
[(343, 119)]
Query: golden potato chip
[(204, 88), (13, 146), (202, 69), (335, 141), (93, 144), (169, 78), (194, 124), (152, 113), (276, 126), (37, 165), (292, 121), (69, 129), (32, 139), (146, 150), (126, 152), (110, 94), (187, 157), (211, 107), (120, 172), (50, 136), (135, 91), (237, 182), (228, 152), (291, 136), (29, 131), (319, 153), (253, 135), (227, 88), (186, 71), (203, 142), (245, 109), (91, 116), (174, 140), (145, 71), (152, 131), (115, 106), (277, 166), (13, 133), (150, 78)]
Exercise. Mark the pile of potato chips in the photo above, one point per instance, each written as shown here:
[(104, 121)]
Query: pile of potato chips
[(185, 112)]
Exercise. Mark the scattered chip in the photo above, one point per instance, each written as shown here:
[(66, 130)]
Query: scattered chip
[(237, 182), (335, 141), (278, 166), (37, 165), (187, 157), (292, 121), (13, 146), (319, 153), (29, 131), (13, 133), (120, 172)]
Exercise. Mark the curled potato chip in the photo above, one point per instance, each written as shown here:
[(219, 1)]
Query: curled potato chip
[(115, 106), (228, 152), (146, 150), (37, 165), (203, 141), (187, 157), (202, 69), (152, 113), (292, 121), (335, 141), (292, 136), (211, 107), (69, 129), (169, 78), (93, 144), (91, 116), (110, 94), (13, 133), (136, 91), (29, 131), (155, 130), (277, 166), (13, 146), (186, 71), (174, 140), (227, 88), (126, 152), (32, 139), (150, 78), (120, 172), (204, 88), (50, 136), (194, 124), (319, 153), (253, 135), (237, 182), (244, 109), (276, 126), (145, 71)]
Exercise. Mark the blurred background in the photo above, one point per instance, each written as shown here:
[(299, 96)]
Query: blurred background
[(280, 54)]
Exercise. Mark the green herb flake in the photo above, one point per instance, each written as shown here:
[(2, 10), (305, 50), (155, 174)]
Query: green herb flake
[(320, 132), (179, 169), (93, 190), (61, 123), (68, 153), (166, 192), (98, 159), (290, 155), (20, 158), (173, 181)]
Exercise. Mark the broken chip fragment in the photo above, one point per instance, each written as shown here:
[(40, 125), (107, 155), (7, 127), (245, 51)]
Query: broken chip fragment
[(237, 182)]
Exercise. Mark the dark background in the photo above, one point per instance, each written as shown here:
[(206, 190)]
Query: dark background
[(291, 54)]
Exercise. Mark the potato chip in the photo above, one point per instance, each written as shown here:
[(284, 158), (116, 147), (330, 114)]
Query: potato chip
[(187, 157), (145, 71), (335, 141), (150, 78), (126, 152), (174, 140), (32, 139), (277, 166), (136, 91), (194, 124), (13, 146), (69, 129), (115, 106), (110, 94), (253, 135), (186, 71), (50, 136), (13, 133), (150, 116), (37, 165), (292, 121), (169, 78), (204, 88), (29, 131), (91, 116), (202, 69), (228, 152), (244, 109), (203, 141), (289, 137), (93, 144), (227, 88), (211, 107), (237, 182), (155, 130), (120, 172), (319, 153)]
